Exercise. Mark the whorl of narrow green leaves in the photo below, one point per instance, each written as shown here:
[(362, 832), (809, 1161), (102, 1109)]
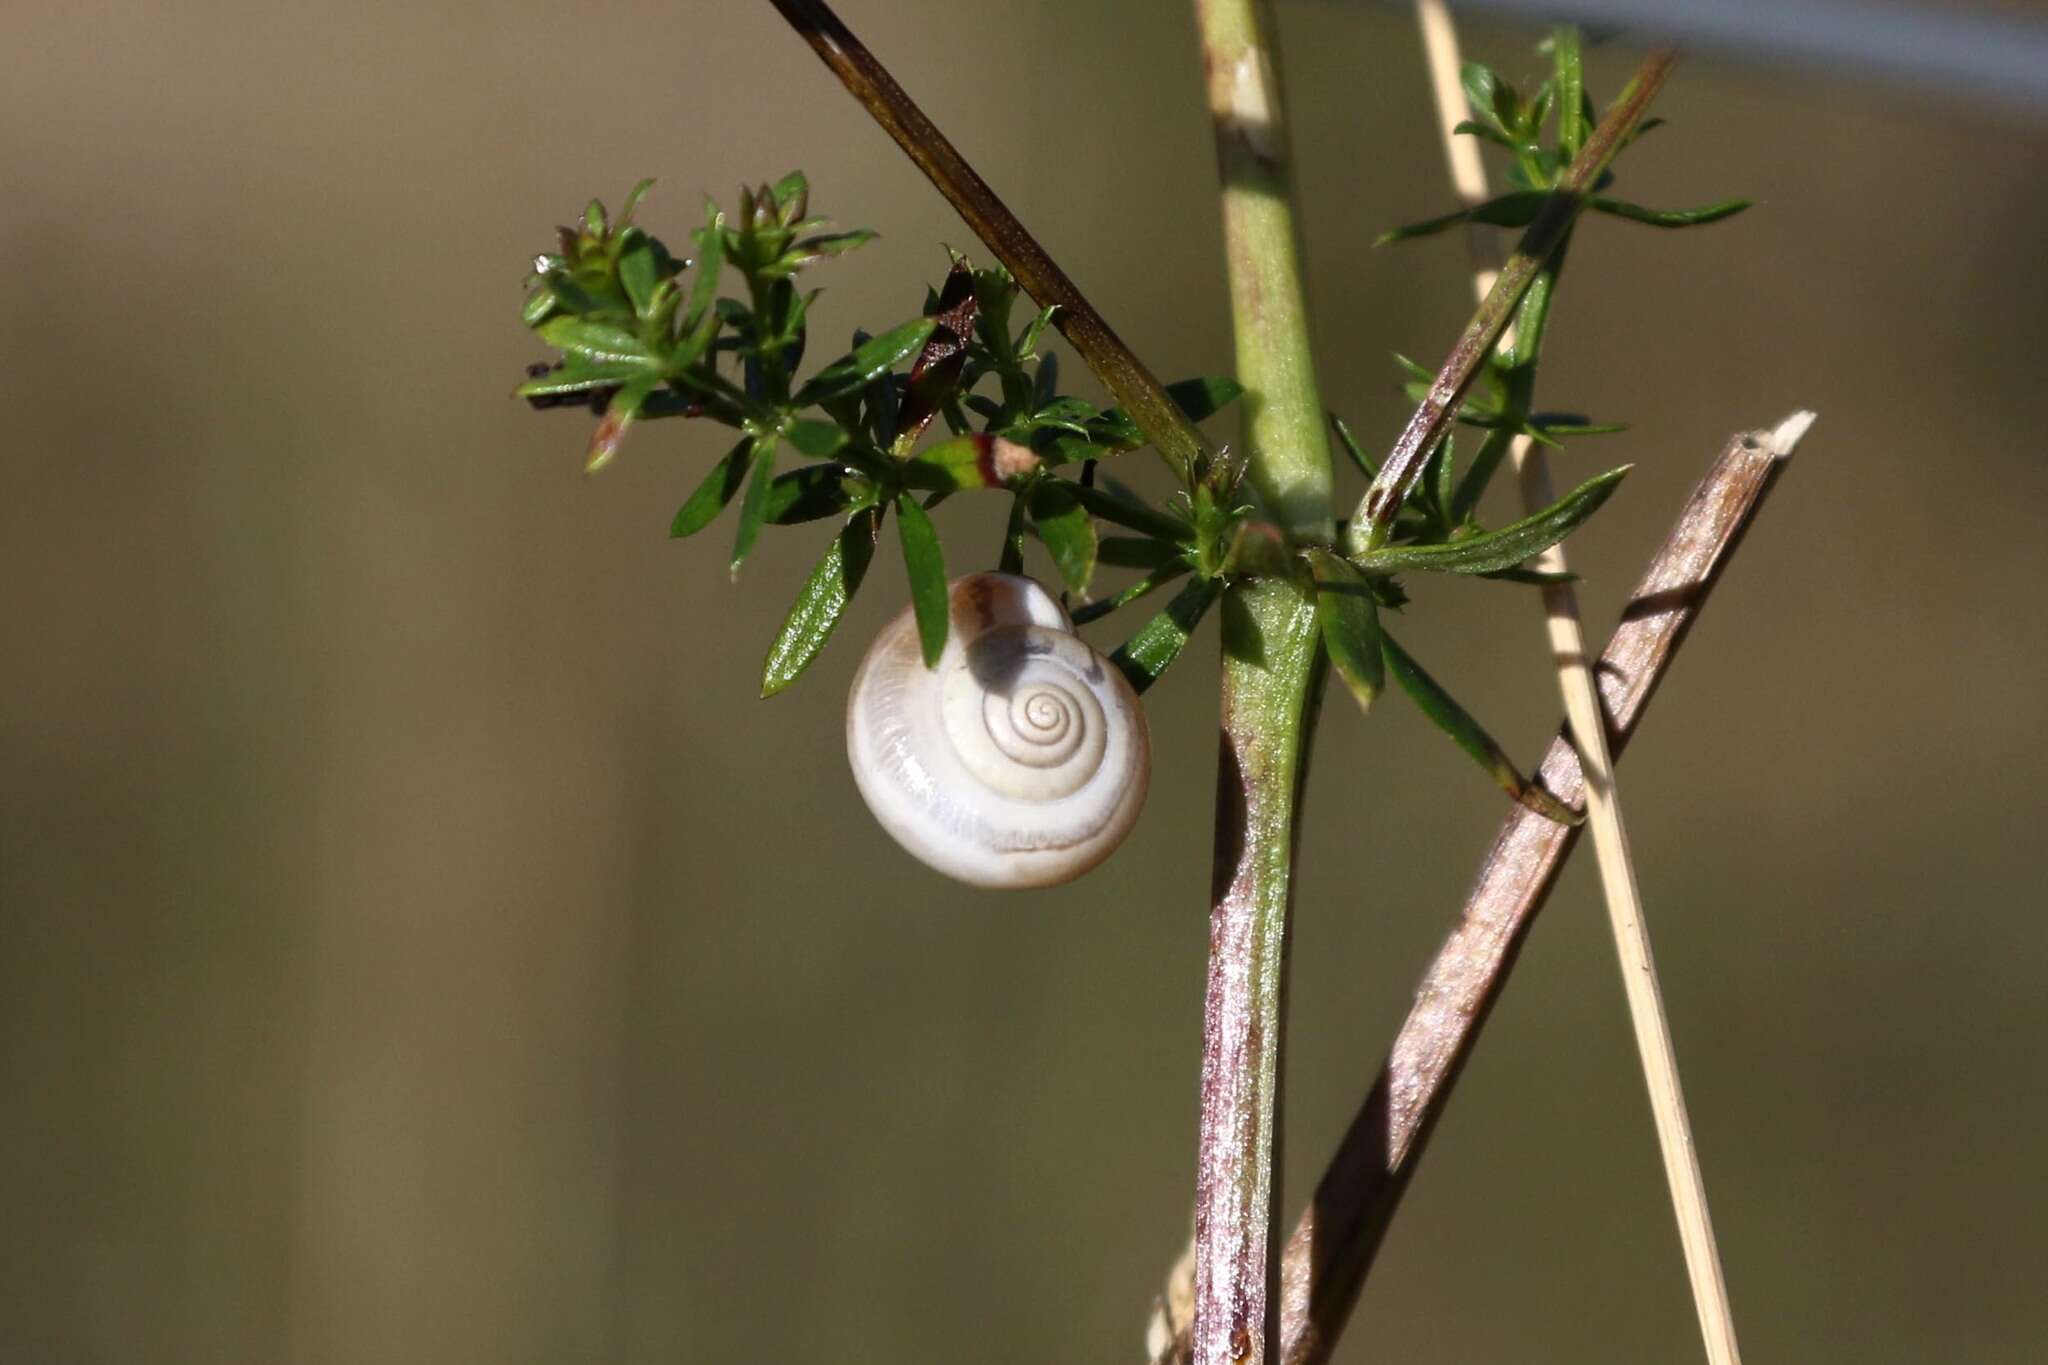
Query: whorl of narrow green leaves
[(1519, 208), (645, 334), (1551, 179)]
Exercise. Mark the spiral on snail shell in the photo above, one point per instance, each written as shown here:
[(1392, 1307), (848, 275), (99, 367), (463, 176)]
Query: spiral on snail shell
[(1020, 759)]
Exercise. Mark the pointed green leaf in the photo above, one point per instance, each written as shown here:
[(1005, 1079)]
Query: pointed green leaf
[(1138, 552), (577, 375), (831, 244), (1473, 486), (873, 357), (1465, 732), (695, 344), (1555, 424), (1506, 548), (754, 507), (1200, 398), (822, 601), (818, 440), (1068, 532), (1442, 473), (1158, 578), (815, 491), (539, 304), (1027, 341), (1537, 113), (587, 294), (1350, 624), (1507, 105), (1067, 413), (1648, 125), (792, 195), (1481, 91), (599, 342), (1128, 512), (702, 507), (1474, 128), (1012, 558), (618, 415), (1534, 577), (1516, 209), (1149, 653), (926, 565), (1667, 218), (1358, 456), (710, 260), (639, 270), (633, 198)]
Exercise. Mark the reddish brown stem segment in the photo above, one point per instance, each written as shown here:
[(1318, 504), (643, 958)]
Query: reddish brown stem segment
[(1326, 1260), (1119, 368), (1269, 700)]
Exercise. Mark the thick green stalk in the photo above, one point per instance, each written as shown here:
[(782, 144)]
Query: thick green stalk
[(1269, 684), (1286, 437)]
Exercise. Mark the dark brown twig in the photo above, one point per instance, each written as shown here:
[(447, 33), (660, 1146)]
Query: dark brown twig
[(1326, 1260), (1120, 370), (1375, 516)]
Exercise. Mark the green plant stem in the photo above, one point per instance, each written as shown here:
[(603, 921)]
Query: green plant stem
[(1374, 519), (1286, 437), (1326, 1261), (1143, 397), (1269, 690), (1271, 678)]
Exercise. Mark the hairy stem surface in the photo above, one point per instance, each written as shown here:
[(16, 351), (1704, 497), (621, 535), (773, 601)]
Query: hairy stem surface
[(1269, 641), (1326, 1260)]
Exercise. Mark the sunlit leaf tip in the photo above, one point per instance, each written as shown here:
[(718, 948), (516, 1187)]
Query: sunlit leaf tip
[(1148, 654), (821, 601), (1455, 721), (1348, 618), (925, 565)]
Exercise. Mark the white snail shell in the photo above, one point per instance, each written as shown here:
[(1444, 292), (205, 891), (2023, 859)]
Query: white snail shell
[(1021, 759)]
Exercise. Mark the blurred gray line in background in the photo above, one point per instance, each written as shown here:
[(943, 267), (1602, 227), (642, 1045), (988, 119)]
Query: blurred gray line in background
[(1958, 51)]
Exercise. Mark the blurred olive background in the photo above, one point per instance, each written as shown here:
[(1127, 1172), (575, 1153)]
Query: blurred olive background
[(421, 946)]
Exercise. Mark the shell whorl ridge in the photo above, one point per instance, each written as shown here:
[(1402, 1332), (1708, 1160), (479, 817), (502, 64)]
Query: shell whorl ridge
[(1021, 759)]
